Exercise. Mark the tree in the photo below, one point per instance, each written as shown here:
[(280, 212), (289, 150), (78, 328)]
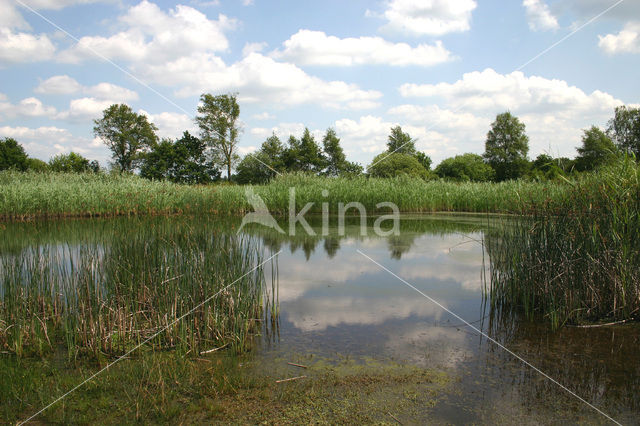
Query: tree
[(219, 127), (624, 129), (37, 165), (69, 163), (424, 159), (465, 167), (546, 167), (292, 156), (182, 161), (506, 147), (157, 164), (311, 157), (400, 142), (388, 165), (273, 149), (336, 160), (127, 134), (190, 162), (252, 169), (12, 155), (597, 149)]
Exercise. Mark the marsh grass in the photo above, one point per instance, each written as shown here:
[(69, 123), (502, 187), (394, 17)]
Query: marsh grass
[(573, 259), (102, 298), (42, 195)]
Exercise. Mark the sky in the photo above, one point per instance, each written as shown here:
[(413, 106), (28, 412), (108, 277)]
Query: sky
[(441, 69)]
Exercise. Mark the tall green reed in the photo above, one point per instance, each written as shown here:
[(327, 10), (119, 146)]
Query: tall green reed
[(576, 258), (103, 298)]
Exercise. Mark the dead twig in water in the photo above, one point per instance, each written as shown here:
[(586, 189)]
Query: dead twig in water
[(601, 325), (297, 365), (394, 418), (290, 379), (214, 349)]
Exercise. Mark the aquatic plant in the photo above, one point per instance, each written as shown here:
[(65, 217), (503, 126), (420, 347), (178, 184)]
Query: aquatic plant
[(38, 195), (104, 297), (575, 258)]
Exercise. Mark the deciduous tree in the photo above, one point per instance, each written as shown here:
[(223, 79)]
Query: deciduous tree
[(596, 150), (12, 155), (127, 134), (507, 147), (624, 129), (219, 127)]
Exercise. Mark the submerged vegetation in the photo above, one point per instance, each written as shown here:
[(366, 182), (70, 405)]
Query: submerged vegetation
[(575, 258), (101, 299)]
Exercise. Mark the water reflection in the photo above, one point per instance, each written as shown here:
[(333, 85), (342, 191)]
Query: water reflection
[(334, 302)]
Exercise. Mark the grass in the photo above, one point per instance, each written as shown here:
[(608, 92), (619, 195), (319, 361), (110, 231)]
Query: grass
[(100, 299), (576, 258), (40, 195)]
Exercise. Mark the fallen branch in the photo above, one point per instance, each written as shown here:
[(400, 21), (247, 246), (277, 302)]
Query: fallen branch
[(214, 349), (290, 379), (601, 325), (297, 365), (394, 418)]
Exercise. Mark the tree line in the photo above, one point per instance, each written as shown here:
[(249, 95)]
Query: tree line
[(200, 159)]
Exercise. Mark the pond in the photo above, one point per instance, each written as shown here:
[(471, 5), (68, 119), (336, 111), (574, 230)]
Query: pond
[(365, 298)]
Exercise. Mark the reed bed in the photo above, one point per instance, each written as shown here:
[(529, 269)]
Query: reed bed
[(573, 259), (33, 195), (104, 298)]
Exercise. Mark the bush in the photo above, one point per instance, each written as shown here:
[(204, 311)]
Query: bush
[(388, 165), (464, 168)]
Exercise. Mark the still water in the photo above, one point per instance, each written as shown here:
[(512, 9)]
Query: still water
[(337, 304)]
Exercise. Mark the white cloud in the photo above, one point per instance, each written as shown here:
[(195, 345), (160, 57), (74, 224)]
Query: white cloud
[(154, 36), (111, 91), (59, 85), (284, 130), (65, 85), (428, 17), (177, 49), (263, 116), (29, 107), (16, 47), (45, 142), (86, 108), (10, 17), (171, 124), (258, 78), (626, 41), (316, 48), (553, 111), (368, 134), (249, 48), (489, 90), (539, 16)]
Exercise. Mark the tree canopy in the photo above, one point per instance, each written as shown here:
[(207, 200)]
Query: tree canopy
[(219, 127), (400, 142), (507, 146), (182, 161), (70, 163), (465, 167), (596, 150), (127, 134), (388, 165), (624, 129), (12, 155)]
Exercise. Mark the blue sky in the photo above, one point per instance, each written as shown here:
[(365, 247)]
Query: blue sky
[(442, 69)]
